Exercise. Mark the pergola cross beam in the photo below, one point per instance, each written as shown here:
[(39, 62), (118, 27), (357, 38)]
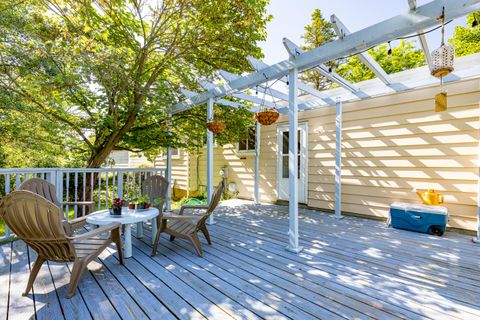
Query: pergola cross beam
[(295, 50), (341, 30), (401, 25), (260, 65), (421, 37), (228, 76)]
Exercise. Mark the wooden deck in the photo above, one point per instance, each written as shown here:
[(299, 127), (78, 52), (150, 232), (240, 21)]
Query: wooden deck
[(352, 269)]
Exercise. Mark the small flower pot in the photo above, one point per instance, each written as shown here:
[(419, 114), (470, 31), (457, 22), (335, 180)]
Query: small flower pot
[(116, 211), (140, 206), (131, 206)]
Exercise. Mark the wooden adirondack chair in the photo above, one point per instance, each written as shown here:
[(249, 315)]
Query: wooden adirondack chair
[(38, 222), (47, 190), (188, 226), (156, 187)]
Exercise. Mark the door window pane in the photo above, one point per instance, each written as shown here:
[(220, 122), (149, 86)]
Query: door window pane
[(285, 136)]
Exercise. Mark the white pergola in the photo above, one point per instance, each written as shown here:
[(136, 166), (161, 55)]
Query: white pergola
[(357, 43)]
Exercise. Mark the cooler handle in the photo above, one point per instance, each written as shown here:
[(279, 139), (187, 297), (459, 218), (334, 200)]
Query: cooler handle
[(440, 198)]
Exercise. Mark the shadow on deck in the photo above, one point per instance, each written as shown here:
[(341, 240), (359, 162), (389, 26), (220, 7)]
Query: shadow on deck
[(352, 269)]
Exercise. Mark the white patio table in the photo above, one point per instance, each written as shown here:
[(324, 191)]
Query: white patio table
[(128, 217)]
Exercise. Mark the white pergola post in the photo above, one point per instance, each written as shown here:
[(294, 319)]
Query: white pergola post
[(256, 193), (210, 159), (338, 160), (168, 176), (477, 238), (293, 161)]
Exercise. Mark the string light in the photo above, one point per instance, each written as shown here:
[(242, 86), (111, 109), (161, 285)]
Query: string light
[(475, 21), (389, 49)]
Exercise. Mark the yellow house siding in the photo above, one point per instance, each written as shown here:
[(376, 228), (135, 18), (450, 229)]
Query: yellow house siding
[(180, 169), (396, 143)]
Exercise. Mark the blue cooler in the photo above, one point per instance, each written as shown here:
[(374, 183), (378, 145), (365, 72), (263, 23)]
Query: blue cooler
[(419, 217)]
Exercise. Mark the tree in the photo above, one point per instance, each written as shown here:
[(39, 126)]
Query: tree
[(317, 33), (466, 40), (107, 72), (404, 56)]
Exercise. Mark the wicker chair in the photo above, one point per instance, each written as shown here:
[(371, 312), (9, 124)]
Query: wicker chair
[(188, 226), (38, 222), (47, 190)]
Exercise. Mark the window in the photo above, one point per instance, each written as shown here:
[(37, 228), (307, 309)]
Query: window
[(247, 144), (175, 154)]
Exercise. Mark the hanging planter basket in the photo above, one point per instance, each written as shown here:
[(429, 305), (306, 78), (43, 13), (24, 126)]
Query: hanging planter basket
[(215, 125), (267, 116), (442, 61)]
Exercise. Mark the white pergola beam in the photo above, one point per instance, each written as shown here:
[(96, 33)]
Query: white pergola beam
[(401, 25), (168, 173), (256, 191), (269, 91), (259, 65), (223, 102), (293, 243), (421, 37), (209, 159), (342, 31), (338, 160), (295, 50)]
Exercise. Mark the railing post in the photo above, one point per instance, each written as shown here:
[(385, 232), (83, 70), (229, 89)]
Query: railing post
[(7, 191), (120, 184)]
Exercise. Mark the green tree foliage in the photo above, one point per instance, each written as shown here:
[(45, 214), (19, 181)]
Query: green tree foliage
[(466, 40), (317, 33), (104, 73), (404, 56)]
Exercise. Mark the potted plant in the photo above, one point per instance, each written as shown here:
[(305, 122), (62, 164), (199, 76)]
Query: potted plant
[(157, 202), (215, 125), (117, 204), (267, 116), (143, 202)]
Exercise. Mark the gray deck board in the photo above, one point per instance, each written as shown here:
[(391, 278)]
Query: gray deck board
[(349, 269), (387, 283), (46, 301), (388, 260)]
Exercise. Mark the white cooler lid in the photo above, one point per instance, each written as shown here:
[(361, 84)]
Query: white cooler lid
[(419, 207)]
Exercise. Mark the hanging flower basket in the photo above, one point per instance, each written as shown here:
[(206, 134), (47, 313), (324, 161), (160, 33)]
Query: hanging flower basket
[(215, 125), (442, 61), (267, 116)]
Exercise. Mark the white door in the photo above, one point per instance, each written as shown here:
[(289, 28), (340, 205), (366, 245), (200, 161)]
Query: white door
[(282, 162)]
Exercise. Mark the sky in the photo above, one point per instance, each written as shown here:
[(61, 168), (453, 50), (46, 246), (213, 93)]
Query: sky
[(291, 16)]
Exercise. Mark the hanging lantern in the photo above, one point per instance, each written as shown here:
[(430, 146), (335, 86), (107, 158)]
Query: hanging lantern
[(442, 61), (215, 125), (442, 64), (267, 116)]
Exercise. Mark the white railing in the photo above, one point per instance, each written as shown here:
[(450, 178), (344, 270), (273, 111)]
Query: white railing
[(77, 184)]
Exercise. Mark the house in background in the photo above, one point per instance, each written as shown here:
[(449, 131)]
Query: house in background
[(393, 143)]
